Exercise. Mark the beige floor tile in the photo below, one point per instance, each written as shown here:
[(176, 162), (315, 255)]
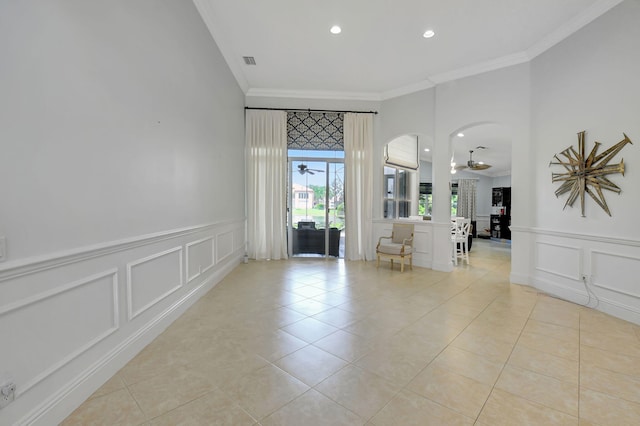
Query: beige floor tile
[(310, 329), (410, 409), (273, 346), (555, 314), (610, 382), (604, 409), (552, 330), (469, 365), (309, 307), (311, 365), (265, 390), (117, 407), (394, 364), (313, 408), (545, 390), (546, 364), (459, 393), (462, 325), (113, 384), (332, 298), (362, 392), (624, 364), (551, 345), (165, 392), (612, 343), (488, 347), (347, 346), (214, 408), (599, 322), (338, 317), (505, 409)]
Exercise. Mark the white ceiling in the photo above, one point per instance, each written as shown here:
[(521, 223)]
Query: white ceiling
[(381, 52)]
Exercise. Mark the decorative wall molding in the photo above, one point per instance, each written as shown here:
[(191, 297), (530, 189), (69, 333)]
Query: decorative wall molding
[(549, 268), (224, 245), (188, 253), (114, 359), (576, 236), (130, 282), (15, 269), (48, 295), (617, 280)]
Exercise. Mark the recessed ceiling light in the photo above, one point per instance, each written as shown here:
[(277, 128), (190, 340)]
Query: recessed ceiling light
[(429, 34), (426, 150), (480, 162), (460, 135), (335, 29)]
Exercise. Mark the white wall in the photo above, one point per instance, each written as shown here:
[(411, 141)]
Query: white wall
[(122, 147), (589, 82)]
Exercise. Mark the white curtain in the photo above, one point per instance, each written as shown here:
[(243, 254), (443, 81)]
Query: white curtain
[(467, 198), (266, 141), (358, 155)]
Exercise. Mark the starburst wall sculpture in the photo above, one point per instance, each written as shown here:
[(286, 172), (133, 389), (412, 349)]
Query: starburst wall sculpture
[(588, 174)]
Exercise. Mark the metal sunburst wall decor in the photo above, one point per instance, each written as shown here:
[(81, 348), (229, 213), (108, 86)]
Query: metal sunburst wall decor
[(588, 174)]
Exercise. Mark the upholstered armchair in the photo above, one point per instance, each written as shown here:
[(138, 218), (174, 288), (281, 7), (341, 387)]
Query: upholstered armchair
[(398, 246)]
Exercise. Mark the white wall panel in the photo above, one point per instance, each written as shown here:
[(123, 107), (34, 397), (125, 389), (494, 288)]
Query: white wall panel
[(224, 245), (153, 278), (561, 260), (615, 272), (200, 257), (43, 333)]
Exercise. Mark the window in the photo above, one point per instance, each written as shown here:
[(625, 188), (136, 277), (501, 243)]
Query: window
[(303, 195), (454, 199), (397, 193), (425, 201)]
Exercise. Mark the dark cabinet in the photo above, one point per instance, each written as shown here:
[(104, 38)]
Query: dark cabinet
[(500, 213)]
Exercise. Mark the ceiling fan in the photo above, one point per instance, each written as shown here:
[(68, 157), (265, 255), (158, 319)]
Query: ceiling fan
[(302, 169), (473, 165)]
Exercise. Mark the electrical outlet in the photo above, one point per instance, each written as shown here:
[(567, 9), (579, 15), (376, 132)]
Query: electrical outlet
[(7, 392)]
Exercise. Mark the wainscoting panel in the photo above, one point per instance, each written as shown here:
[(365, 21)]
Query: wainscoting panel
[(45, 332), (423, 241), (70, 320), (594, 270), (224, 245), (153, 278), (200, 257), (560, 260), (615, 272)]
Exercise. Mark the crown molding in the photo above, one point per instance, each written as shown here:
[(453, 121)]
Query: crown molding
[(573, 25), (482, 67), (406, 90), (313, 94), (205, 9)]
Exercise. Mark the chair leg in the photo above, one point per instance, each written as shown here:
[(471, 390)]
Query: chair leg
[(402, 264), (391, 263), (411, 262), (455, 253), (378, 262)]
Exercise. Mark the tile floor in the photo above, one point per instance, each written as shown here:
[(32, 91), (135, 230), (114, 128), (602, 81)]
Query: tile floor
[(315, 342)]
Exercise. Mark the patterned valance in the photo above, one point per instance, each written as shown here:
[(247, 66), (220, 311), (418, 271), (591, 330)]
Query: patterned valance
[(320, 131)]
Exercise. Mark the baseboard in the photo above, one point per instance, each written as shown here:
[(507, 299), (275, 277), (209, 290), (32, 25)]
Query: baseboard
[(56, 408), (519, 279)]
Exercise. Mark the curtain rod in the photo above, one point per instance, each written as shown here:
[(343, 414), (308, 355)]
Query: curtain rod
[(313, 110)]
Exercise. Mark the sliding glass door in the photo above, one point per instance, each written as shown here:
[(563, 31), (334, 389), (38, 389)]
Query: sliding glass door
[(316, 207)]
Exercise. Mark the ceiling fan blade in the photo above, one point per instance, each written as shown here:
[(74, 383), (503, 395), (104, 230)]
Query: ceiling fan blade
[(460, 167), (480, 167), (310, 172)]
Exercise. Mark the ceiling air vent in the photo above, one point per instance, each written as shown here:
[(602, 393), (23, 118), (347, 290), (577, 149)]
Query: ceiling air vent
[(249, 60)]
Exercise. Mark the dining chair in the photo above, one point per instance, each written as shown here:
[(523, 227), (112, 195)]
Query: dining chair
[(459, 238)]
